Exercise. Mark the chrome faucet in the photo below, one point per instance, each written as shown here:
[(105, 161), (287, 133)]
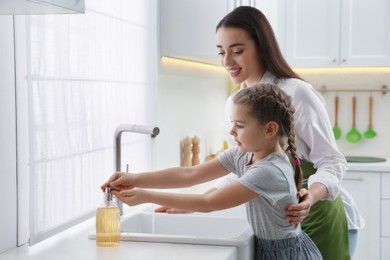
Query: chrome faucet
[(149, 130)]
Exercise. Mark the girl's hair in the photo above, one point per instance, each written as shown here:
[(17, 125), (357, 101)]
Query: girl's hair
[(267, 102), (254, 22)]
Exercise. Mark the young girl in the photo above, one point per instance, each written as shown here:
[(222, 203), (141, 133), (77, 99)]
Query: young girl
[(262, 118)]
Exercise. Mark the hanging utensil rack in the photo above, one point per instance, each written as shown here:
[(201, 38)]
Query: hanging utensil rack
[(384, 89)]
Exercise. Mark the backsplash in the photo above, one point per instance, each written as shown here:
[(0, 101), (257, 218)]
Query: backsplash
[(191, 102), (372, 79)]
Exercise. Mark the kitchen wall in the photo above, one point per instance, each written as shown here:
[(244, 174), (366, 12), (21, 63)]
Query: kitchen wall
[(363, 78), (191, 101)]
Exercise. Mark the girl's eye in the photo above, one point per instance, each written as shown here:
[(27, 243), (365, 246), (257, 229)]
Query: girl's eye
[(238, 52), (239, 126)]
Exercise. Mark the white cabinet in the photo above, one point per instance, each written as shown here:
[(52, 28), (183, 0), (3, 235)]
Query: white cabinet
[(385, 219), (335, 33), (385, 248), (372, 196), (364, 187), (9, 7), (187, 28), (274, 10)]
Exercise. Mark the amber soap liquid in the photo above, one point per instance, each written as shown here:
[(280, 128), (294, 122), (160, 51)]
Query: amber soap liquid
[(108, 225)]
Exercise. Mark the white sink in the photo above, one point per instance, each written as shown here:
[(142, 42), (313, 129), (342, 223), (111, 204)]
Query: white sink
[(205, 229)]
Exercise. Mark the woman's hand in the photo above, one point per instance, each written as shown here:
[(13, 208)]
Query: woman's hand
[(169, 210), (296, 213), (120, 181)]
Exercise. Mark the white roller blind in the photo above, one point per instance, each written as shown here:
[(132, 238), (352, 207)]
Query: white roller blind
[(87, 74)]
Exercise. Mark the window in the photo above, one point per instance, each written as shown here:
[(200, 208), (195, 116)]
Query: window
[(86, 74)]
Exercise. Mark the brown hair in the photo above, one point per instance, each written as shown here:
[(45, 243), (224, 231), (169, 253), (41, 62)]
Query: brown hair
[(254, 22), (267, 102)]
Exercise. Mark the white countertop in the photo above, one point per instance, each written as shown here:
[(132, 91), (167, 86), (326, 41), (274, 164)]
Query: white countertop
[(74, 244), (370, 167)]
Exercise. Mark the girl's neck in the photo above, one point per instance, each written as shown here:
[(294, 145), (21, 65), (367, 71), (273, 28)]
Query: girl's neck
[(261, 154)]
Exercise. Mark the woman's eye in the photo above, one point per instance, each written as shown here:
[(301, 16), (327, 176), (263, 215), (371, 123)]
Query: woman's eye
[(237, 52), (221, 52)]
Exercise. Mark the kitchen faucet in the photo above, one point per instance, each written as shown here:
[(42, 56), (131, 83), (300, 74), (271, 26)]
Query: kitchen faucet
[(149, 130)]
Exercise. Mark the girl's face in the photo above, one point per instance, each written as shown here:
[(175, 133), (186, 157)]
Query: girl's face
[(239, 55), (248, 133)]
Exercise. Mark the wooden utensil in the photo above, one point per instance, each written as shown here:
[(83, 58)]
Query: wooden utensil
[(354, 135), (370, 133), (336, 128)]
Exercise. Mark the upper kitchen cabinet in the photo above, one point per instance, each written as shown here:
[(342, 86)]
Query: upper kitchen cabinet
[(274, 10), (187, 27), (26, 7), (332, 33)]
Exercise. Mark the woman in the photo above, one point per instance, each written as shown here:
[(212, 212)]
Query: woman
[(263, 118), (250, 53)]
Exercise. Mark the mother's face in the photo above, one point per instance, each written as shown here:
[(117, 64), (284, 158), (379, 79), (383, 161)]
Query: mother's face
[(239, 55)]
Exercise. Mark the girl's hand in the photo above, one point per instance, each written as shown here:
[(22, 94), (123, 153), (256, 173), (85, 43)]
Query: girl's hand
[(120, 181), (296, 213), (132, 197)]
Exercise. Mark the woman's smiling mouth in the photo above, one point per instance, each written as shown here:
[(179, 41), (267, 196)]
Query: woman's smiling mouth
[(234, 72)]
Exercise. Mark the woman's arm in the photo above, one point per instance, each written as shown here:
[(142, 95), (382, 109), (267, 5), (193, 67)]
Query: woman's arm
[(316, 142)]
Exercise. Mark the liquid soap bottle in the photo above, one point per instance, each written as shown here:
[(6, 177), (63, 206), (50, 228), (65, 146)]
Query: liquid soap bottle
[(108, 222)]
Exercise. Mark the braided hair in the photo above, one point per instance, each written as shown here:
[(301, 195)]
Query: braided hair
[(268, 102)]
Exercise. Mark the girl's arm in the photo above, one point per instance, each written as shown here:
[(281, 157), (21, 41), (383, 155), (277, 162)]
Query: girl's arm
[(227, 197), (169, 178)]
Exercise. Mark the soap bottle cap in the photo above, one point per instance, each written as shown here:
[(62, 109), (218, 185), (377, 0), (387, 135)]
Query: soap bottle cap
[(107, 194)]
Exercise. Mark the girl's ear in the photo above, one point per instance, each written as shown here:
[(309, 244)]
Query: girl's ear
[(272, 129)]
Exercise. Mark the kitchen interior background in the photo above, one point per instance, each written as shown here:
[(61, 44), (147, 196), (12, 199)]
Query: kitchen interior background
[(191, 97), (197, 93)]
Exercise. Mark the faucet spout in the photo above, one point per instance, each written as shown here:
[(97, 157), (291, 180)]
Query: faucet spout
[(149, 130)]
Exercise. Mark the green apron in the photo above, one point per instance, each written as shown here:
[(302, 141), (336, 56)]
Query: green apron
[(326, 223)]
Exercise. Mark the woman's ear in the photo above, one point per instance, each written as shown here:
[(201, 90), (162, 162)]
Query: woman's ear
[(272, 129)]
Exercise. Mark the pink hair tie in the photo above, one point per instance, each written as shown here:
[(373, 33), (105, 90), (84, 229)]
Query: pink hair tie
[(297, 162)]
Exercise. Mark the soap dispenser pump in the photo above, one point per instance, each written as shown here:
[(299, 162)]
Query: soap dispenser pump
[(108, 222)]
